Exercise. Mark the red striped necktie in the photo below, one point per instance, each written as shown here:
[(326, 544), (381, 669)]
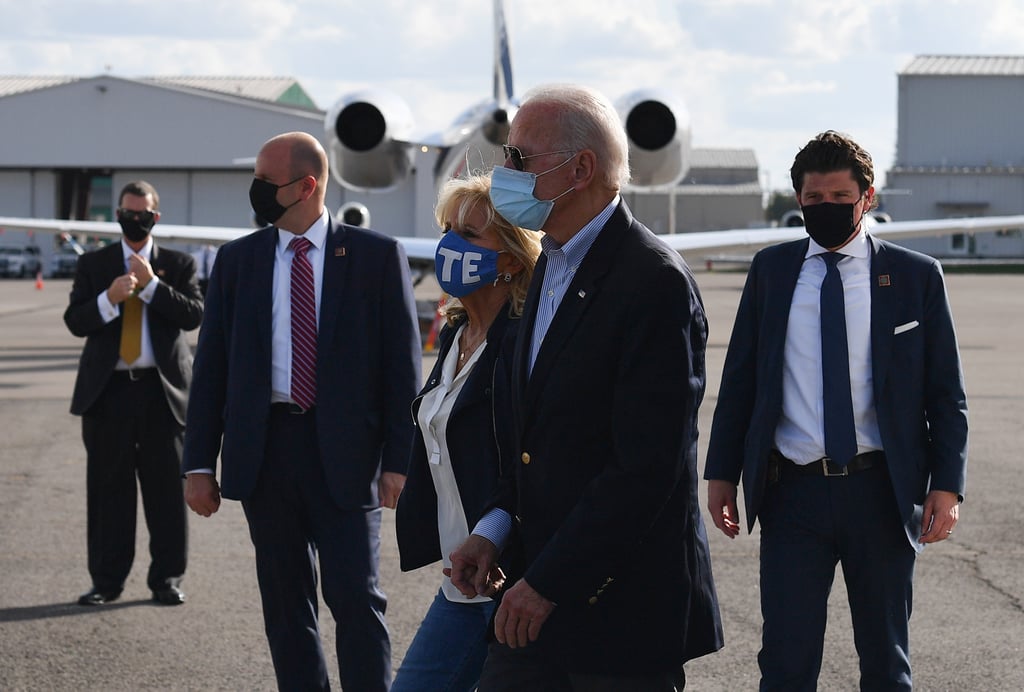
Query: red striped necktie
[(303, 326)]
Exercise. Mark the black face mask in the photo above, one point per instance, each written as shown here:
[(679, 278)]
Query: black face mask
[(263, 198), (136, 225), (829, 225)]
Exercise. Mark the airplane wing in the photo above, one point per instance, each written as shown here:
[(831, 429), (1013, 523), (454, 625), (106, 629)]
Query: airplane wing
[(213, 235), (750, 239), (420, 251)]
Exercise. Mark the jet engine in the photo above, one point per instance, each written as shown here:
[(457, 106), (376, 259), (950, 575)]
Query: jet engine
[(367, 135), (354, 214), (792, 219), (658, 128)]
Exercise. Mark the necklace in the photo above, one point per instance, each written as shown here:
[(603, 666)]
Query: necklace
[(467, 349)]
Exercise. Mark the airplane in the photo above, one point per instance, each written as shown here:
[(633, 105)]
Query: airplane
[(371, 147)]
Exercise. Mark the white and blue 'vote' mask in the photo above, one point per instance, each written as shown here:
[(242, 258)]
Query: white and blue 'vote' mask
[(462, 267)]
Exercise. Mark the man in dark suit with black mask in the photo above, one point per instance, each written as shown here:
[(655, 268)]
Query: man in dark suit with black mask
[(308, 360), (842, 411), (134, 302)]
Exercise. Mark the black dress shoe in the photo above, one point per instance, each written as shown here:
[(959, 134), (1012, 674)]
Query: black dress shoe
[(96, 596), (170, 595)]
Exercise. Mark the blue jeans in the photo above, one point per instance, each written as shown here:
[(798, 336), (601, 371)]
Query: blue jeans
[(448, 650)]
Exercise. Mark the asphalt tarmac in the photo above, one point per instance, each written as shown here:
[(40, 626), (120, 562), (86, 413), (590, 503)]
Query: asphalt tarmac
[(967, 630)]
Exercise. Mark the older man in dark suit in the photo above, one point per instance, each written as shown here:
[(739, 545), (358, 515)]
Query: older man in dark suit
[(617, 592), (133, 302), (842, 408), (307, 362)]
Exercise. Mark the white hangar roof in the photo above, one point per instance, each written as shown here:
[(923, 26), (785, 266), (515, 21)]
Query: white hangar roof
[(956, 65), (153, 122)]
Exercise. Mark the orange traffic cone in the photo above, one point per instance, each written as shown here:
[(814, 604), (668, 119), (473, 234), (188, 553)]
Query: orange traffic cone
[(39, 280)]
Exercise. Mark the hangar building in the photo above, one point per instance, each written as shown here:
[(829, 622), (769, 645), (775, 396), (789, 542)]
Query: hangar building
[(960, 149)]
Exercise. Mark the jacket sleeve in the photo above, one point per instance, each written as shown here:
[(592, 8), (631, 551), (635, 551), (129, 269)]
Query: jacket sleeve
[(738, 389), (401, 359)]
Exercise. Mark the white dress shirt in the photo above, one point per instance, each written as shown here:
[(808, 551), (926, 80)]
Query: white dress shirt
[(800, 435)]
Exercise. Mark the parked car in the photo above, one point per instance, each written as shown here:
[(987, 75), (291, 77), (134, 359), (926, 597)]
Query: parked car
[(20, 261), (63, 263)]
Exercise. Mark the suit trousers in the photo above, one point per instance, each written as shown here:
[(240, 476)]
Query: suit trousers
[(293, 521), (131, 432), (808, 524)]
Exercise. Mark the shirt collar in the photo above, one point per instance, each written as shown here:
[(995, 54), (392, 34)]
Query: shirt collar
[(316, 234), (576, 248), (146, 251), (858, 247)]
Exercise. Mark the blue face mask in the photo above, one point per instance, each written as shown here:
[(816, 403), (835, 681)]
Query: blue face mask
[(512, 196), (462, 267)]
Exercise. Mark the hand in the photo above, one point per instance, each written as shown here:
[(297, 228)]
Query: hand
[(941, 514), (389, 487), (140, 267), (202, 493), (473, 571), (520, 616), (121, 288), (722, 506)]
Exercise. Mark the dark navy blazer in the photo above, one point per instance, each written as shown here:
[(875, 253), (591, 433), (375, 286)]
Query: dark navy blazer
[(368, 364), (604, 488), (917, 380)]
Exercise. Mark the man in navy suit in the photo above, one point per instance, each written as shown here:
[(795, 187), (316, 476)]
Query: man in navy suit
[(608, 373), (313, 433), (868, 487)]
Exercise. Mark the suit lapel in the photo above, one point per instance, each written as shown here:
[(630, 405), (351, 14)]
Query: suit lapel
[(579, 296), (263, 275), (884, 301), (521, 357), (336, 263)]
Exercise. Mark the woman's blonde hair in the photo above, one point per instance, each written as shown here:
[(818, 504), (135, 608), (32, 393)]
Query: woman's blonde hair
[(458, 198)]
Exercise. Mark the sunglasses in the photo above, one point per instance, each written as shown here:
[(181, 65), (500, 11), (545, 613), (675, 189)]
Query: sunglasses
[(514, 155), (129, 214)]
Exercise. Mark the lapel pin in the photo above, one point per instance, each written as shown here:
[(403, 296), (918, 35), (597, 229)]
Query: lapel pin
[(883, 280), (339, 252), (582, 293)]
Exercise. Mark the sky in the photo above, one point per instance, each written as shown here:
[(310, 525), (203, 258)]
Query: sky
[(760, 74)]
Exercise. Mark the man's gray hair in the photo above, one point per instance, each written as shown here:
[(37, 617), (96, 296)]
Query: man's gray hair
[(587, 120)]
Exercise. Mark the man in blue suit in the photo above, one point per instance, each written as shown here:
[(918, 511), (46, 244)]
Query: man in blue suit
[(307, 360), (866, 487)]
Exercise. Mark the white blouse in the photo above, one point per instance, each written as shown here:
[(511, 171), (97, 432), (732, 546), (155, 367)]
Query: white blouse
[(435, 408)]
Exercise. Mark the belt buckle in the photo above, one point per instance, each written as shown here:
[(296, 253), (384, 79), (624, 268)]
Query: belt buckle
[(132, 376), (824, 467), (295, 409)]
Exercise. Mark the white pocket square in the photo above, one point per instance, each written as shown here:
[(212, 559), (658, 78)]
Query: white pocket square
[(905, 327)]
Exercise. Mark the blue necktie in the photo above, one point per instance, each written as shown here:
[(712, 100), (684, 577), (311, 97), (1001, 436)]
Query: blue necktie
[(840, 433)]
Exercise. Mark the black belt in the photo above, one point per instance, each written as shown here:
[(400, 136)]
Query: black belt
[(779, 465), (292, 408), (134, 375)]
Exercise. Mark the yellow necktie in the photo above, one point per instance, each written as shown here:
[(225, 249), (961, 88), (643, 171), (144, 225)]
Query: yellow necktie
[(131, 330)]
